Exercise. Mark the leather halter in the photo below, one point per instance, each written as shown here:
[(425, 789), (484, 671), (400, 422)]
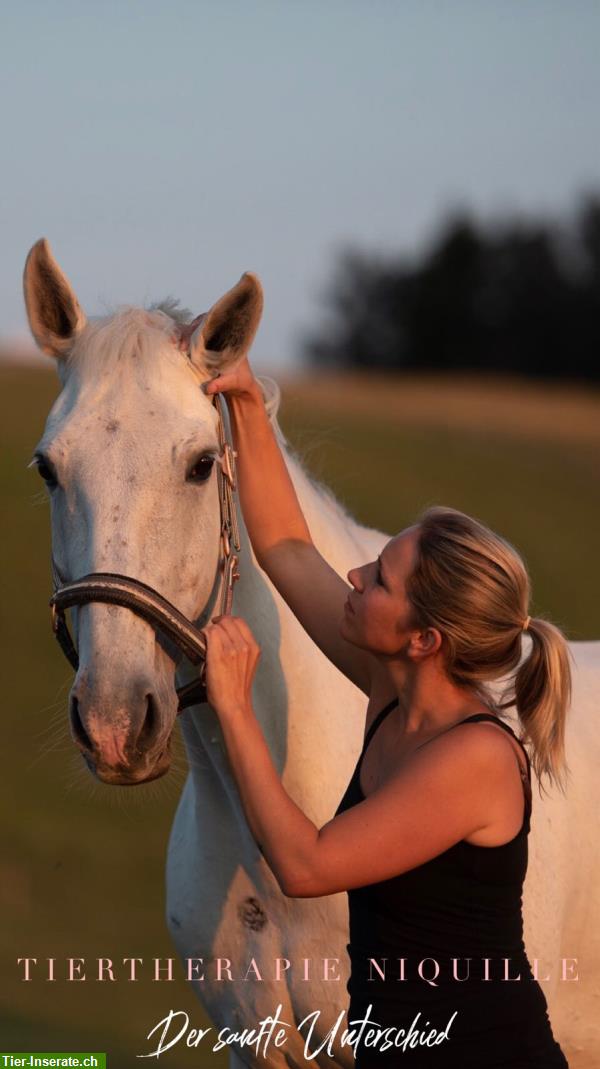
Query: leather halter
[(146, 602)]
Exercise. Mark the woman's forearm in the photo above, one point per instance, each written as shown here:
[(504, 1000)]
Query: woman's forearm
[(272, 512), (285, 835)]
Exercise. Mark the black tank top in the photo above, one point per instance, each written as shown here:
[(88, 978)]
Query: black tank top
[(466, 903)]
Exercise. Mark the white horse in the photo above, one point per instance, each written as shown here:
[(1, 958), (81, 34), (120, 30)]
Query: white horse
[(120, 454)]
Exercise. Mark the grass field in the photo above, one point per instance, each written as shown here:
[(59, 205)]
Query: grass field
[(82, 869), (524, 459)]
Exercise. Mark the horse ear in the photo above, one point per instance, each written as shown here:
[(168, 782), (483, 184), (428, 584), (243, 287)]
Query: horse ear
[(54, 313), (227, 330)]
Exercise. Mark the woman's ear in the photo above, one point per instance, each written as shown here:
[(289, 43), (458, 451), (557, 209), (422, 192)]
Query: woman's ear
[(227, 331), (55, 315), (425, 642)]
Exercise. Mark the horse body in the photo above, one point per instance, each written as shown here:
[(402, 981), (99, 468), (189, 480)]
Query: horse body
[(121, 440)]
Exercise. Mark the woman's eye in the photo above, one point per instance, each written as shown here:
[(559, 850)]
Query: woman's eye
[(201, 470)]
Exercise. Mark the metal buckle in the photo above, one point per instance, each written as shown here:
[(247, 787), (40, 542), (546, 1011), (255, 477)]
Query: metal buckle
[(228, 464)]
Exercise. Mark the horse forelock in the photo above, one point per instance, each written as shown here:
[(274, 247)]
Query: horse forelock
[(170, 306), (128, 334)]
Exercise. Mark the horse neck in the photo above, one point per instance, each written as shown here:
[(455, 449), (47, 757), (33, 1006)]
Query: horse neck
[(342, 541)]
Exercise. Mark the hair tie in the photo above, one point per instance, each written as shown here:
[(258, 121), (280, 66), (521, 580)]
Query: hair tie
[(526, 623)]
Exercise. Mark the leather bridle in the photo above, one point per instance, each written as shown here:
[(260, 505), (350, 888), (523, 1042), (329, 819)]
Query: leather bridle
[(146, 602)]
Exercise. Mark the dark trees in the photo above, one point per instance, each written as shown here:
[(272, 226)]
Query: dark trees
[(518, 297)]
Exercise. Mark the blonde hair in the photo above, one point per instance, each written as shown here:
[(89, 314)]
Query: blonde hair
[(473, 586)]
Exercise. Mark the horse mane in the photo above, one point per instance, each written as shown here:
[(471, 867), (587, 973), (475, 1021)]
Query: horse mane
[(272, 397)]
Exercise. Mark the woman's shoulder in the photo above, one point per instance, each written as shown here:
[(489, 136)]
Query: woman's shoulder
[(480, 757), (498, 737), (469, 737)]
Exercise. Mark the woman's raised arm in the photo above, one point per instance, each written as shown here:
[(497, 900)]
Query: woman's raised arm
[(278, 529)]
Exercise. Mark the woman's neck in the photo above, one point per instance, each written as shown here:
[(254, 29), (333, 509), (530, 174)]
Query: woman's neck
[(428, 701)]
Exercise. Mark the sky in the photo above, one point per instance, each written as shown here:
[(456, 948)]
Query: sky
[(165, 148)]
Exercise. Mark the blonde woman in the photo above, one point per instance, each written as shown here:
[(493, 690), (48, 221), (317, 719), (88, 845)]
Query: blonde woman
[(430, 838)]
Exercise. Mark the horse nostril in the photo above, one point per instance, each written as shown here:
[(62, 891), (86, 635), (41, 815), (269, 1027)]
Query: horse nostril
[(145, 736), (79, 731)]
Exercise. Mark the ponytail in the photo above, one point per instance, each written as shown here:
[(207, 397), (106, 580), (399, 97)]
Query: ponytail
[(542, 688)]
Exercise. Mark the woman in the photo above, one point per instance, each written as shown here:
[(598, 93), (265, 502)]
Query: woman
[(430, 838)]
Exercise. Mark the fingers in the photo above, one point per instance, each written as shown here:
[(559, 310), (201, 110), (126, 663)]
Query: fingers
[(236, 379), (228, 381), (234, 631), (231, 659), (236, 622), (219, 647), (216, 385)]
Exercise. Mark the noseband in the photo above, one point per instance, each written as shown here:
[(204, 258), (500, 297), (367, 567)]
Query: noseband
[(146, 602)]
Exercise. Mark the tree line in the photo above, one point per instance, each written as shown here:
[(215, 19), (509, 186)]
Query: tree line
[(518, 296)]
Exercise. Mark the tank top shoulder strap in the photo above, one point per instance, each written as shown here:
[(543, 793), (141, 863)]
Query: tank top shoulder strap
[(525, 779), (378, 720), (502, 724)]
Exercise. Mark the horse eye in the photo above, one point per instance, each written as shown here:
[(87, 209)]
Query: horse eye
[(201, 469), (46, 472)]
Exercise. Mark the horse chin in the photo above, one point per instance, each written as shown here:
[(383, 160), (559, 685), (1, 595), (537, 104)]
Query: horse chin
[(124, 776)]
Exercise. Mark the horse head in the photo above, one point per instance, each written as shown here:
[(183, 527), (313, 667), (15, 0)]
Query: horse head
[(128, 458)]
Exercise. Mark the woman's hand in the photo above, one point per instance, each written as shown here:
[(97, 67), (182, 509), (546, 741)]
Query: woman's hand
[(232, 655), (238, 381)]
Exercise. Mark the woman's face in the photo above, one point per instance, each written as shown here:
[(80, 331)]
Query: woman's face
[(377, 615)]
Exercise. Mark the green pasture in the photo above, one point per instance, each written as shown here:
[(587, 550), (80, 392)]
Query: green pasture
[(82, 864)]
